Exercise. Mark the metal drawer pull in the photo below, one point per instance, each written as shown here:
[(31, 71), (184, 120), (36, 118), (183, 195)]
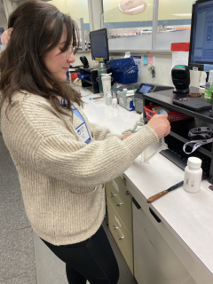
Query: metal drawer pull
[(114, 197), (127, 192), (116, 233)]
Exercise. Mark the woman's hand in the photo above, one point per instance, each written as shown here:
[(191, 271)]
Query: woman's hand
[(160, 124), (126, 135)]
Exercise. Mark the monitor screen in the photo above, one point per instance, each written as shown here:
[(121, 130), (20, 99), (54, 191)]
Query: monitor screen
[(144, 89), (99, 44), (201, 41)]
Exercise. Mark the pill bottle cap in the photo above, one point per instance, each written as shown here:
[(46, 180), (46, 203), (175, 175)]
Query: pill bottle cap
[(194, 162)]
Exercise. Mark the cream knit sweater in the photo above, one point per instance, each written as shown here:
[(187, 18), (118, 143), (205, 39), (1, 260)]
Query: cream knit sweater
[(61, 177)]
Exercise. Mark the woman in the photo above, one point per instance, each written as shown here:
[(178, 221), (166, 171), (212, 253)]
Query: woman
[(62, 159)]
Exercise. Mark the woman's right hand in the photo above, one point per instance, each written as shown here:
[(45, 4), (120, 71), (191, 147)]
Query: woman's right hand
[(160, 124)]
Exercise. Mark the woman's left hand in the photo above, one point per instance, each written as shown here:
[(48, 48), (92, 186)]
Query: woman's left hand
[(126, 135)]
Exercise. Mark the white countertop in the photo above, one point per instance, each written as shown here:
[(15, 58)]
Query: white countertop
[(188, 216), (117, 119)]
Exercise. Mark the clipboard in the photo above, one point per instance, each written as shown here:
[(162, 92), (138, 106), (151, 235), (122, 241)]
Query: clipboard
[(192, 103)]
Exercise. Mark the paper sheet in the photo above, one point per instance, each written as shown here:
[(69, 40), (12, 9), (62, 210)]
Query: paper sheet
[(145, 59), (180, 58), (150, 59)]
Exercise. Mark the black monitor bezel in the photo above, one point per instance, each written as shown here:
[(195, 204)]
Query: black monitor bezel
[(96, 31), (200, 66)]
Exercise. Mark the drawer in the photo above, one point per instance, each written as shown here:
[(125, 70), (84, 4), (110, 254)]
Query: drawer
[(121, 200), (121, 235)]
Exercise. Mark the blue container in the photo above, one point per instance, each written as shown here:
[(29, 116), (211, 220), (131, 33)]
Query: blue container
[(84, 76), (122, 64), (128, 77)]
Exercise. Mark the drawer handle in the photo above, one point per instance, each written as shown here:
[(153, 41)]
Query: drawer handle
[(114, 197), (155, 215), (117, 229)]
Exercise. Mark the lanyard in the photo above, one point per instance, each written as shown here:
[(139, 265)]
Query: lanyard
[(81, 130), (204, 132), (75, 111)]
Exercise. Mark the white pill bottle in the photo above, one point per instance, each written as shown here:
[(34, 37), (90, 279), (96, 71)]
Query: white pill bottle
[(193, 175)]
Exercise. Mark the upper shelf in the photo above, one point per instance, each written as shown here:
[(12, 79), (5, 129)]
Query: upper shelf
[(144, 43)]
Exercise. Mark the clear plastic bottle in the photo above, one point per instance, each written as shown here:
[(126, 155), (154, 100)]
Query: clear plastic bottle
[(114, 102), (108, 98), (207, 93), (193, 175), (101, 70)]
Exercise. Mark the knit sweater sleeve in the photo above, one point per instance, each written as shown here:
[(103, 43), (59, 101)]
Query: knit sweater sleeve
[(101, 133), (82, 165)]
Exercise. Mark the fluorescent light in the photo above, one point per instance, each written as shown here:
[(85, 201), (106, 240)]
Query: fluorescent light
[(183, 15)]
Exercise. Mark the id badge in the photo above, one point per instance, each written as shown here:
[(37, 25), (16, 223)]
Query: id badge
[(83, 133)]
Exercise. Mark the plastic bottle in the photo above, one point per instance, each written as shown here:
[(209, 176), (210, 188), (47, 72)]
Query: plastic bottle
[(101, 70), (108, 98), (114, 102), (193, 175), (207, 93), (130, 100)]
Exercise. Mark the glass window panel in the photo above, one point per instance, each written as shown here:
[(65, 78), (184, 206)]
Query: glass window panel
[(174, 23), (75, 8), (128, 17), (174, 14)]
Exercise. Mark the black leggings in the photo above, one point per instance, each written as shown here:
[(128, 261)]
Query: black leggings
[(91, 260)]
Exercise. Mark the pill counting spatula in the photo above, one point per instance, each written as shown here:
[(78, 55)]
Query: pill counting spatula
[(162, 193)]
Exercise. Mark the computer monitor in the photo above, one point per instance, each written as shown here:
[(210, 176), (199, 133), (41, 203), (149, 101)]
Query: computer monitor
[(99, 44), (201, 40)]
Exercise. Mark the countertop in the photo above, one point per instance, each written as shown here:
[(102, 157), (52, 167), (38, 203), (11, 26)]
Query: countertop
[(187, 216)]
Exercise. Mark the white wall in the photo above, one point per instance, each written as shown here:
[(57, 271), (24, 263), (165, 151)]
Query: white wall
[(163, 63), (3, 20)]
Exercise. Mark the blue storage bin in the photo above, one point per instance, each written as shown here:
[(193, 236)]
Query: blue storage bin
[(126, 80), (128, 77), (122, 64), (84, 76), (131, 70)]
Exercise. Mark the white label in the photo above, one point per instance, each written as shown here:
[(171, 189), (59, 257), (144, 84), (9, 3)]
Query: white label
[(116, 219), (115, 185)]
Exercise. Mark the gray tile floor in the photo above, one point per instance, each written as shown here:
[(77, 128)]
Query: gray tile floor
[(17, 256), (17, 259)]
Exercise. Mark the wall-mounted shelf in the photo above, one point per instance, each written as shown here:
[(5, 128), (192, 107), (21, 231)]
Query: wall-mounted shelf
[(142, 44)]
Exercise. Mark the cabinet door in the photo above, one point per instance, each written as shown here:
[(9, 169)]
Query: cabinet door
[(154, 261)]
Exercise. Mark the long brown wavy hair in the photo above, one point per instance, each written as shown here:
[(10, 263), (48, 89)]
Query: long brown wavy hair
[(37, 29)]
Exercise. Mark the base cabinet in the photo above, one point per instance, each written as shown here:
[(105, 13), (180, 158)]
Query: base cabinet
[(119, 207), (154, 261)]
